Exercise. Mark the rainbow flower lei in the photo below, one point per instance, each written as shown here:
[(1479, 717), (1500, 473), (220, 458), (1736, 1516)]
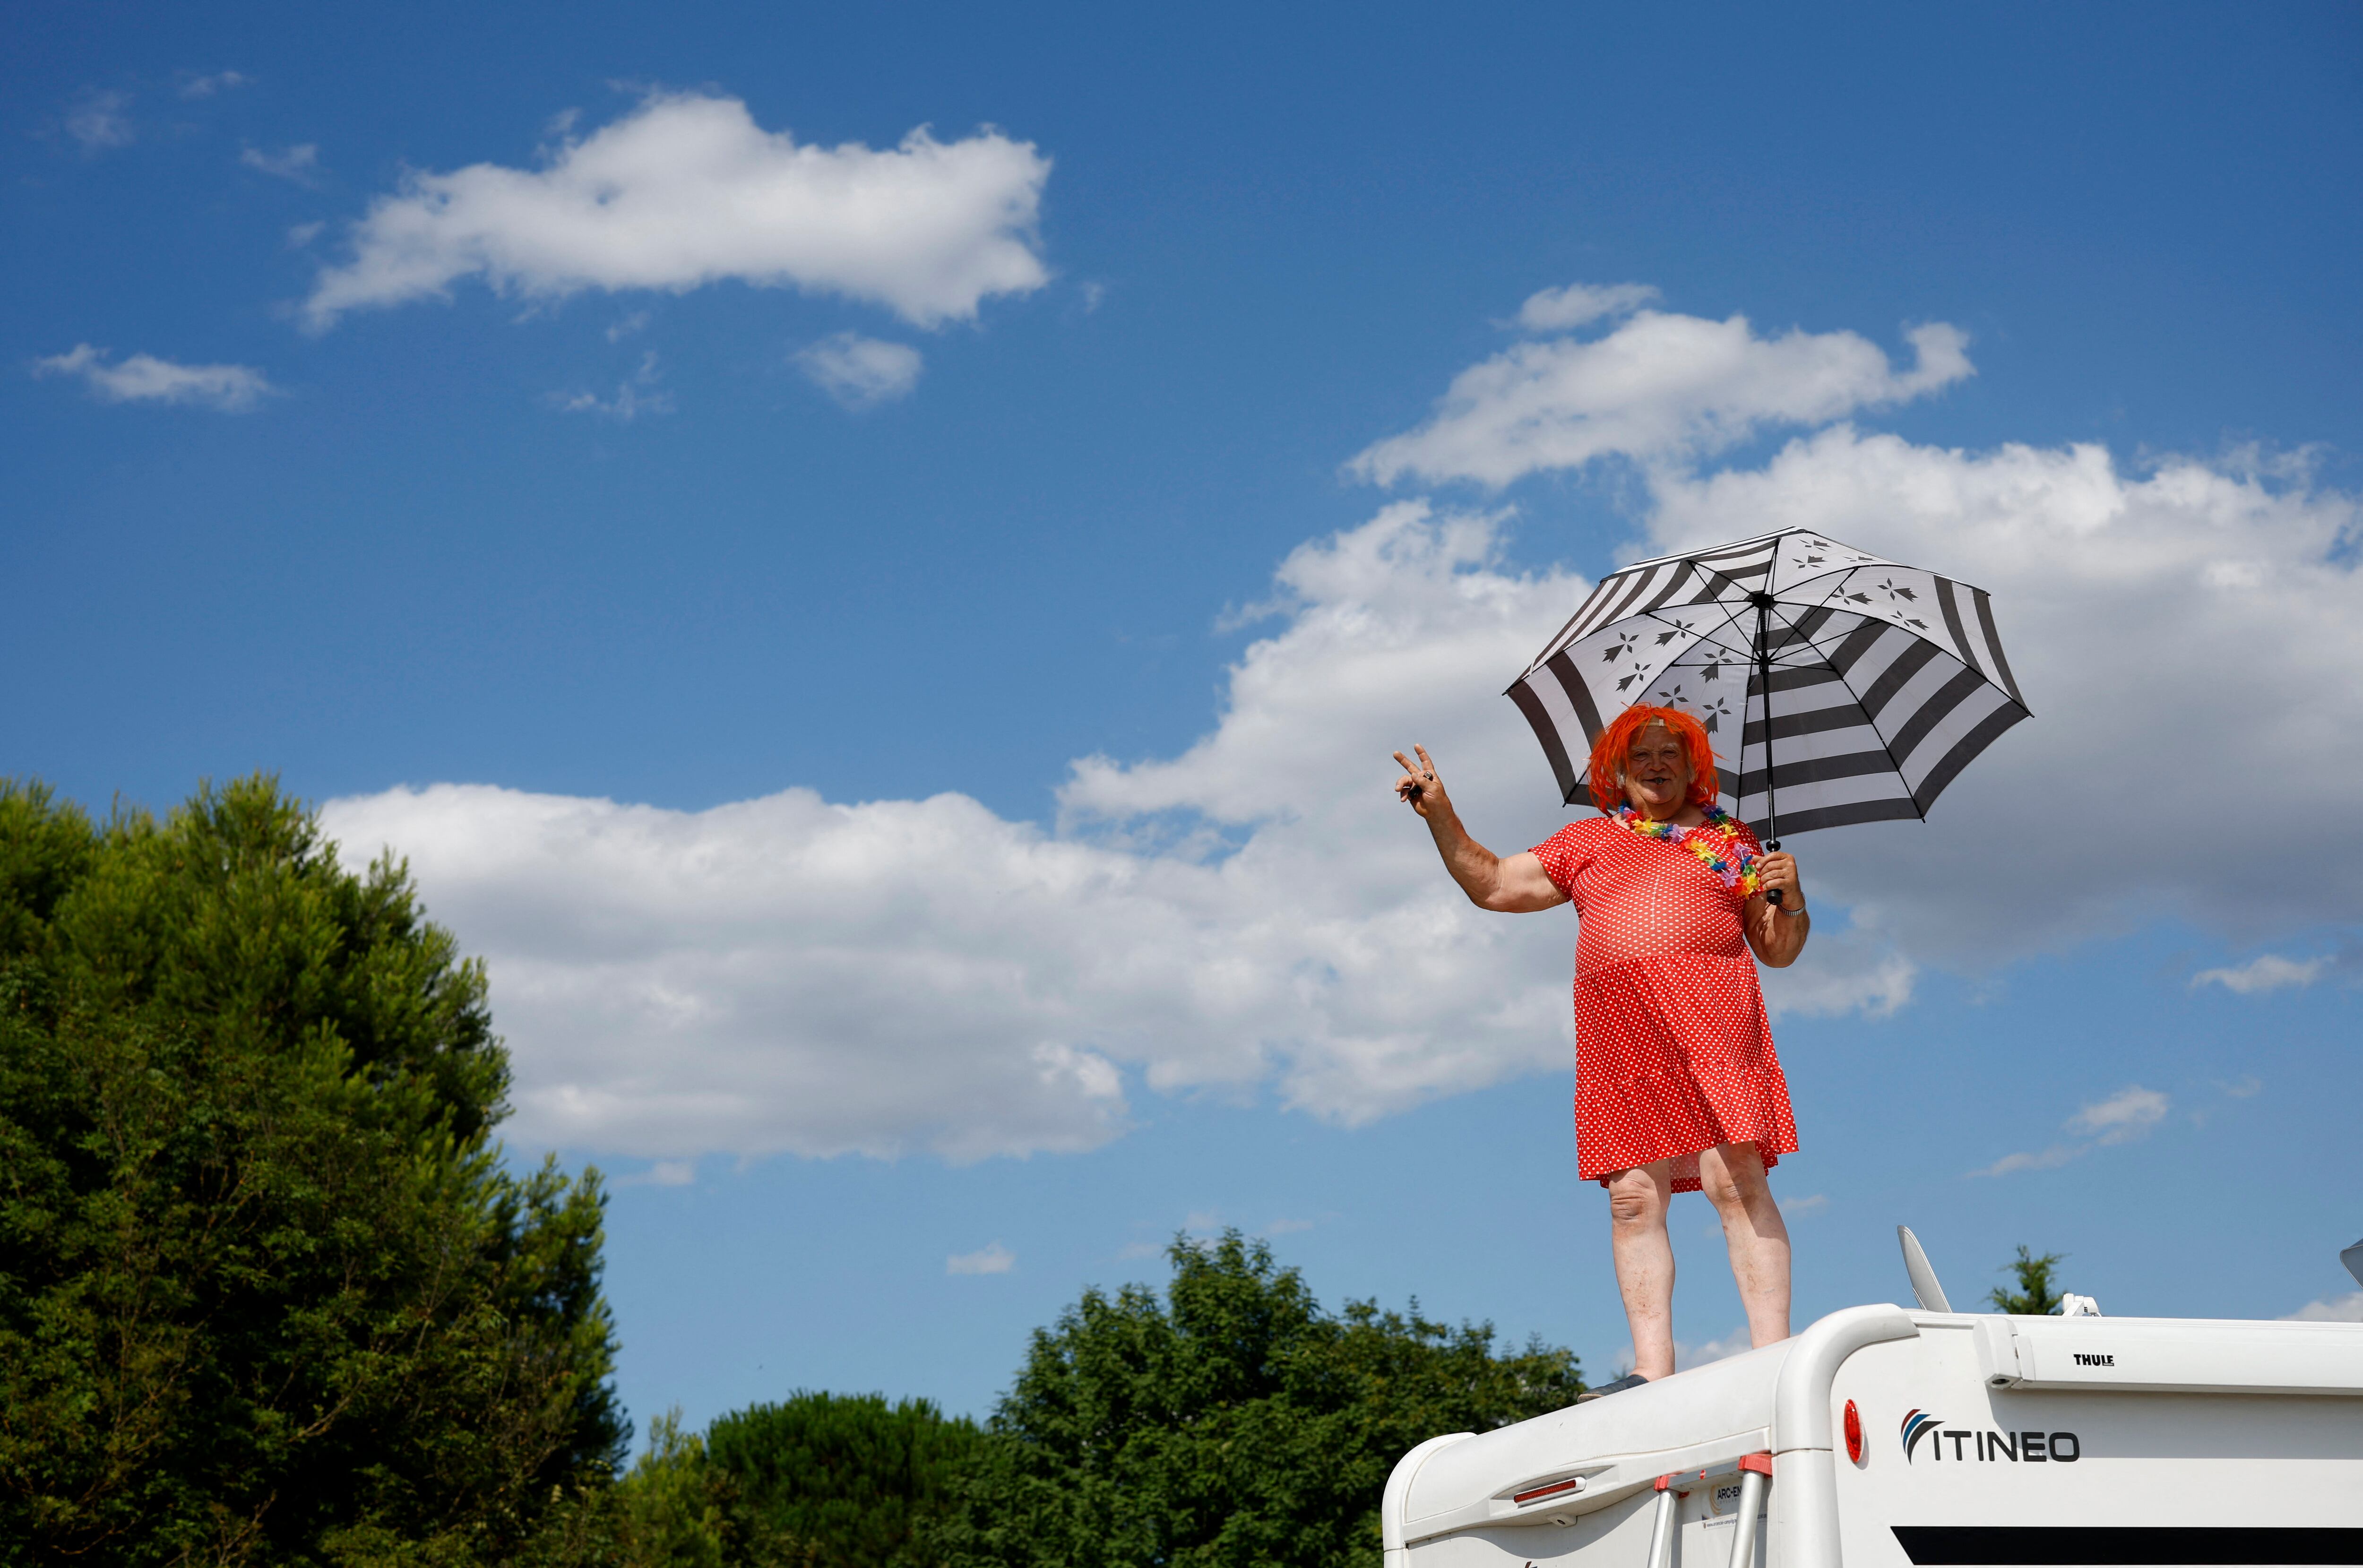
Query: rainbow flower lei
[(1715, 841)]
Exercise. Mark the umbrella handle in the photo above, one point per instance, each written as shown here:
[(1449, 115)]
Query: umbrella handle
[(1773, 895)]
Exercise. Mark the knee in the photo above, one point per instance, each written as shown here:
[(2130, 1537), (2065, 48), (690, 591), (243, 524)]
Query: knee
[(1632, 1204), (1724, 1191), (1729, 1187)]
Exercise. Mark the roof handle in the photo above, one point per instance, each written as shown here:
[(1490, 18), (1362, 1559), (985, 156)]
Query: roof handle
[(1924, 1288)]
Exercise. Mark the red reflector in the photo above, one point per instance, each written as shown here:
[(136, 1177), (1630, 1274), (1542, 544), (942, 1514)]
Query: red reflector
[(1570, 1484), (1853, 1432)]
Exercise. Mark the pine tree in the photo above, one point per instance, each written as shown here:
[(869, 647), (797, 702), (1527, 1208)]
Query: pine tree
[(2034, 1297)]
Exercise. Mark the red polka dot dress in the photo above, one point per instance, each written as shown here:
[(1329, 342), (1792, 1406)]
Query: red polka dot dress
[(1673, 1054)]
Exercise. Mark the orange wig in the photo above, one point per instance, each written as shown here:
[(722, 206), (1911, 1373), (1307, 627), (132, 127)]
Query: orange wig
[(1615, 746)]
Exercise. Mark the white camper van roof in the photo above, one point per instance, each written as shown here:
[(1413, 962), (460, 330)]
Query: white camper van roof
[(1705, 1419), (1777, 1400)]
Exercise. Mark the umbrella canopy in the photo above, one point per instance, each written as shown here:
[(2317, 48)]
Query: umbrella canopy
[(1882, 681)]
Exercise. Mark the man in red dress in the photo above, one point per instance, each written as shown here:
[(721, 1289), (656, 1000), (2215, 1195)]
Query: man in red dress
[(1678, 1087)]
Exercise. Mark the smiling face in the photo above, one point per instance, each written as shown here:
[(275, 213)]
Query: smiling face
[(1657, 773)]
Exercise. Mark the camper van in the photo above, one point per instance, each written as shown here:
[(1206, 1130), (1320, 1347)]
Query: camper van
[(1883, 1437)]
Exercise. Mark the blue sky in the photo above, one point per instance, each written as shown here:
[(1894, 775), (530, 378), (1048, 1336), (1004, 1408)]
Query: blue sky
[(898, 684)]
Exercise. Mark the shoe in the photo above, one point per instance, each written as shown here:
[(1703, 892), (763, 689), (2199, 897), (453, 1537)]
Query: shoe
[(1630, 1380)]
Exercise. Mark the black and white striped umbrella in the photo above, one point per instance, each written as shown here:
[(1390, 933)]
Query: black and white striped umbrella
[(1884, 681)]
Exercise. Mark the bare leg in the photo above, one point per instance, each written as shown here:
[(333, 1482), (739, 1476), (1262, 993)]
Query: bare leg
[(1645, 1263), (1733, 1178)]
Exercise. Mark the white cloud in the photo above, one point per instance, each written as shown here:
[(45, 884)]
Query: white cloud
[(1556, 310), (1687, 1354), (2348, 1309), (993, 1260), (779, 974), (1287, 1226), (659, 1174), (633, 396), (207, 87), (861, 373), (98, 121), (2132, 1112), (300, 163), (688, 189), (1799, 1207), (144, 378), (1660, 387), (2268, 972), (1855, 969), (1257, 915), (2050, 1158)]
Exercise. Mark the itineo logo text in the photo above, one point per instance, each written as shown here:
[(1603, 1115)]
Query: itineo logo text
[(1987, 1446)]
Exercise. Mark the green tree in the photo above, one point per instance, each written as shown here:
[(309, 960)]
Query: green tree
[(675, 1505), (2034, 1297), (838, 1480), (816, 1481), (267, 1293), (1235, 1422)]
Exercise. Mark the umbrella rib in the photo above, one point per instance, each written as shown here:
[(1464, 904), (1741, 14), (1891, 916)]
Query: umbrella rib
[(1886, 746), (1731, 548), (1728, 618), (1638, 570)]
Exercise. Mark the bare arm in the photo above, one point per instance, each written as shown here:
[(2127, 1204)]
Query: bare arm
[(1777, 936), (1514, 885)]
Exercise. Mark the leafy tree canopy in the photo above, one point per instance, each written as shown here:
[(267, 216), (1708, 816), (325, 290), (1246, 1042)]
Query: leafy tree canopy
[(816, 1481), (2034, 1297), (1232, 1422), (838, 1479), (267, 1295)]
